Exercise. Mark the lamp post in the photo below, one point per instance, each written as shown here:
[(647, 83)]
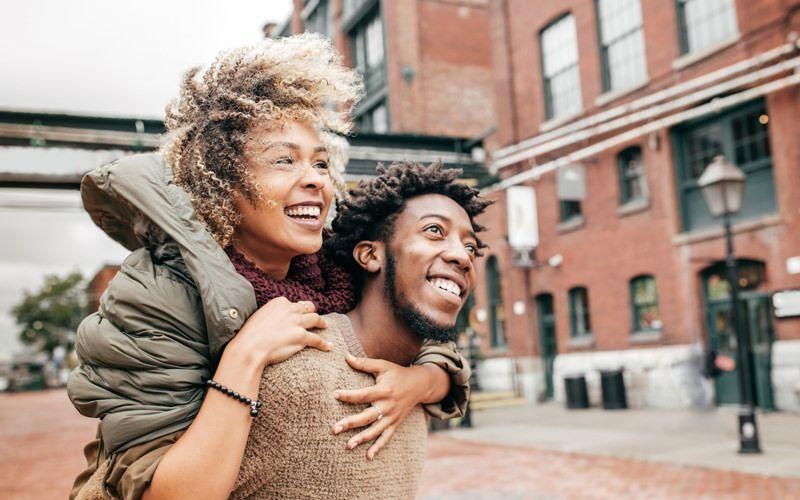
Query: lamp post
[(722, 184)]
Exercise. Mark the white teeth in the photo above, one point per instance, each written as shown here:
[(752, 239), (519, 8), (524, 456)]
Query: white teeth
[(446, 285), (303, 210)]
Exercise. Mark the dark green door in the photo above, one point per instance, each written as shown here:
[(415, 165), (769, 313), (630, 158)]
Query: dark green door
[(547, 338), (757, 318)]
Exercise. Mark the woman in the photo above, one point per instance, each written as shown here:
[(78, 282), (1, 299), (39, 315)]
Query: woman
[(225, 276)]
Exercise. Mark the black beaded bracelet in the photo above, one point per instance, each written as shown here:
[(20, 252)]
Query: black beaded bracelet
[(254, 404)]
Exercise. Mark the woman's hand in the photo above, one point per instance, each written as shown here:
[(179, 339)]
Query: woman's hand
[(397, 390), (278, 330)]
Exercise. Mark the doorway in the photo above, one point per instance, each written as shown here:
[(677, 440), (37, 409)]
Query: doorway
[(756, 315), (547, 338)]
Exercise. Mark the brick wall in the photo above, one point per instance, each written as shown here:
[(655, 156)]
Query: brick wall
[(610, 248)]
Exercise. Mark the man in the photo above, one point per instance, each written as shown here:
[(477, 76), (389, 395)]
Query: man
[(410, 237)]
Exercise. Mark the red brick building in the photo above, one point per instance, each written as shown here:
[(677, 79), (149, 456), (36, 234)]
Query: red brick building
[(427, 64), (98, 284), (610, 110)]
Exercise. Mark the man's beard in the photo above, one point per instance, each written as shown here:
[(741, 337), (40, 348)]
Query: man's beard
[(423, 327)]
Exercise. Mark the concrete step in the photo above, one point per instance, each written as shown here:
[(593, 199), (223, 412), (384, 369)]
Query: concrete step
[(484, 400), (488, 396)]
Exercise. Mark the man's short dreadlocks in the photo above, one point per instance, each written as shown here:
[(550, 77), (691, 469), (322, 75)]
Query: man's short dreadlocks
[(370, 210)]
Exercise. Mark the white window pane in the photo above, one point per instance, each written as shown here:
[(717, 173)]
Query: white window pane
[(380, 120), (707, 22)]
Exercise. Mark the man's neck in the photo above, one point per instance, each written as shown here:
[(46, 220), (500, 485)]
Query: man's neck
[(380, 333)]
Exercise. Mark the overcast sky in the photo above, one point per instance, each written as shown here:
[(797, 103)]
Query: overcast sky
[(114, 57), (96, 57)]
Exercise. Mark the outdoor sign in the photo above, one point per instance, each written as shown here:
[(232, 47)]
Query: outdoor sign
[(571, 182), (786, 303), (523, 223), (793, 265)]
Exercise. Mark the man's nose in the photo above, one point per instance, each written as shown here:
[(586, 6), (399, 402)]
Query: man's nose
[(458, 255)]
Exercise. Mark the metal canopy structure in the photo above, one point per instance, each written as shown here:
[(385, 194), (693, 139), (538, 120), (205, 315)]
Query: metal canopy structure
[(41, 130)]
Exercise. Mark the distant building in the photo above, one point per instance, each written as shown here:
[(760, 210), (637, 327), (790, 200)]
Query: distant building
[(610, 110), (98, 284), (427, 64)]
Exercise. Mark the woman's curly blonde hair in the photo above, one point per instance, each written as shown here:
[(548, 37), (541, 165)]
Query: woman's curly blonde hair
[(295, 78)]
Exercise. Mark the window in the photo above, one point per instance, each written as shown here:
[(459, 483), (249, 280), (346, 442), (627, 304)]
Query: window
[(569, 210), (631, 175), (497, 327), (621, 43), (742, 136), (705, 22), (367, 50), (579, 312), (644, 304), (316, 17), (375, 120), (562, 85)]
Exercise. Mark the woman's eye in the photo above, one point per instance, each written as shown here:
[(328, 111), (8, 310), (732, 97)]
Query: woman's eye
[(434, 230), (472, 249), (321, 165), (285, 160)]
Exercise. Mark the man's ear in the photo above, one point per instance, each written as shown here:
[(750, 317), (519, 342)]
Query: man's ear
[(369, 255)]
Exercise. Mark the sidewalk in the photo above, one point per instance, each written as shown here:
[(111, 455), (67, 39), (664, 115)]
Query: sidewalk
[(698, 438)]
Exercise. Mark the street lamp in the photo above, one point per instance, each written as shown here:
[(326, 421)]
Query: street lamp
[(722, 184)]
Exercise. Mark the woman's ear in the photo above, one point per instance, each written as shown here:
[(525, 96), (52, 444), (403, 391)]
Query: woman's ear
[(368, 255)]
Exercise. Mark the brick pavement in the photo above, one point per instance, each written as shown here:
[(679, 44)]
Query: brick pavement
[(41, 437), (462, 470)]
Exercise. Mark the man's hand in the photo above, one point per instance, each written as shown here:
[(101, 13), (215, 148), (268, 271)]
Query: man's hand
[(397, 390)]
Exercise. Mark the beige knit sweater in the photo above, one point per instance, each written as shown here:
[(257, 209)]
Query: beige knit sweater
[(290, 451)]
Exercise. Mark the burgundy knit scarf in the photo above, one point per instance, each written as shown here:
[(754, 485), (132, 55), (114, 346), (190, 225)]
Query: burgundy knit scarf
[(310, 277)]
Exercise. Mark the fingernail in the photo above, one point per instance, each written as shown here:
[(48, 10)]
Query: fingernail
[(352, 445), (370, 456), (337, 429), (336, 395)]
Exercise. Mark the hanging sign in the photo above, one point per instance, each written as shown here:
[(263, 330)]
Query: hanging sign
[(571, 182), (786, 303), (523, 222)]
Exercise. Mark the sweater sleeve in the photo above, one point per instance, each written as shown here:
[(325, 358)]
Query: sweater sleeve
[(446, 356)]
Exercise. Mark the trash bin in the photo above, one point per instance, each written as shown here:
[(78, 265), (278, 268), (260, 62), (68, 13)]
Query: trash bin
[(613, 386), (577, 396)]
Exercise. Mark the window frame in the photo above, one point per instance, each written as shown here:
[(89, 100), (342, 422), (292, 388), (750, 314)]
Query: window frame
[(376, 78), (625, 197), (546, 88), (635, 308), (605, 66), (683, 29), (573, 313), (565, 214), (311, 9), (758, 174), (497, 336)]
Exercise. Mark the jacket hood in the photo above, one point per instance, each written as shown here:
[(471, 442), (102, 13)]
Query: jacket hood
[(137, 203)]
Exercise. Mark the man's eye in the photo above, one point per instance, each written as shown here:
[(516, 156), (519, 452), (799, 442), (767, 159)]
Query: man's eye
[(472, 249), (434, 230)]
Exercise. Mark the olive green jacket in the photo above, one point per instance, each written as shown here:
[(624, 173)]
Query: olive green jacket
[(165, 318)]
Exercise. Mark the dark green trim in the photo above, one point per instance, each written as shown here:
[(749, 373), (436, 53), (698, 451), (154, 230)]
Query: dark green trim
[(683, 39), (759, 197), (635, 307), (625, 196), (497, 335), (569, 209), (357, 16)]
